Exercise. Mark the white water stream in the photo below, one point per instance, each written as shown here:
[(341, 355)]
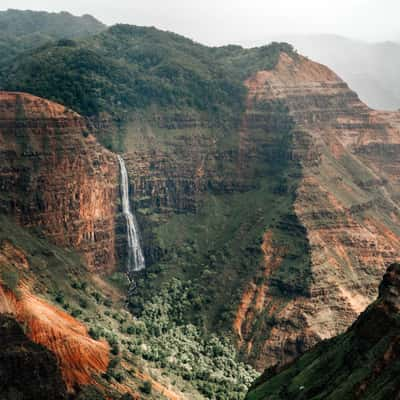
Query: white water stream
[(135, 254)]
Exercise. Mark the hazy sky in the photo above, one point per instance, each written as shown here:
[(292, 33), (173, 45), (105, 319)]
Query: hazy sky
[(240, 21)]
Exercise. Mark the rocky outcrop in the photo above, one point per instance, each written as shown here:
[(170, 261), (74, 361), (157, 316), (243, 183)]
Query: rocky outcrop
[(27, 370), (55, 176), (363, 363)]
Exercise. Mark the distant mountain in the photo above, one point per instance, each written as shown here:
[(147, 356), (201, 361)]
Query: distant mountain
[(26, 30), (363, 363), (370, 69)]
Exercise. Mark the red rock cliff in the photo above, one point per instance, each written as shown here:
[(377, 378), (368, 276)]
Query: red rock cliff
[(54, 175), (347, 200)]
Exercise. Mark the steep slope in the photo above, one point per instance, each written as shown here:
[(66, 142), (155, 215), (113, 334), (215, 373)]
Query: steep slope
[(73, 313), (54, 175), (362, 363), (346, 201), (80, 357), (27, 370), (33, 274), (26, 30)]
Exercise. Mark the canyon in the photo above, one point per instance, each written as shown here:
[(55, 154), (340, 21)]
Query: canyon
[(273, 225)]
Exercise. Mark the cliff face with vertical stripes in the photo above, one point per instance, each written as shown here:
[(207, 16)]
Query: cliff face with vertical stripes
[(55, 176)]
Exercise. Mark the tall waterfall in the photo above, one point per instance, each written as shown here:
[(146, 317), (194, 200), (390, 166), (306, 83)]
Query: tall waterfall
[(135, 254)]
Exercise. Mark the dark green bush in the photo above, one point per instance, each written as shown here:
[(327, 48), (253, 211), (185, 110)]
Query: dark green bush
[(10, 279), (147, 387)]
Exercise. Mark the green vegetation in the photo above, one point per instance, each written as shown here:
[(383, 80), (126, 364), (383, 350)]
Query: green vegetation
[(204, 365), (216, 251), (10, 279), (147, 387), (26, 30), (130, 68), (207, 362)]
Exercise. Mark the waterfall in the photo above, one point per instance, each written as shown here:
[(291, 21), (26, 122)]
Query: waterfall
[(135, 253)]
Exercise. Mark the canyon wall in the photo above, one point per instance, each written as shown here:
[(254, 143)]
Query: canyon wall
[(309, 184), (282, 226), (55, 176), (347, 201)]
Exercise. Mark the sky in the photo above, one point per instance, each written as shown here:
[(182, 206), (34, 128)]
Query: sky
[(217, 22)]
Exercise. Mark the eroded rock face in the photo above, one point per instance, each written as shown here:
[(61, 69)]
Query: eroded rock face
[(340, 164), (27, 370), (55, 176), (347, 200)]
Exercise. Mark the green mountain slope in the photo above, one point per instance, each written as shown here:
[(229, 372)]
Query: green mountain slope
[(25, 30), (128, 68)]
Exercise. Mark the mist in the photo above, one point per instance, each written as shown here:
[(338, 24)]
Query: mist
[(237, 21)]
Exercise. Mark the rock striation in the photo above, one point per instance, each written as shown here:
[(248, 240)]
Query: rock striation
[(333, 163), (79, 357), (55, 176), (346, 200), (333, 155)]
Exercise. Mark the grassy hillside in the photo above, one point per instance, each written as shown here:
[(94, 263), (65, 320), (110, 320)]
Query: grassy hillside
[(26, 30)]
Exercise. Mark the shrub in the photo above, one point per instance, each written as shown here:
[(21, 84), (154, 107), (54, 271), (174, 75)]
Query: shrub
[(130, 330), (115, 349), (94, 333), (119, 377), (114, 362), (76, 313), (107, 302), (59, 297), (10, 279), (147, 387), (83, 303)]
